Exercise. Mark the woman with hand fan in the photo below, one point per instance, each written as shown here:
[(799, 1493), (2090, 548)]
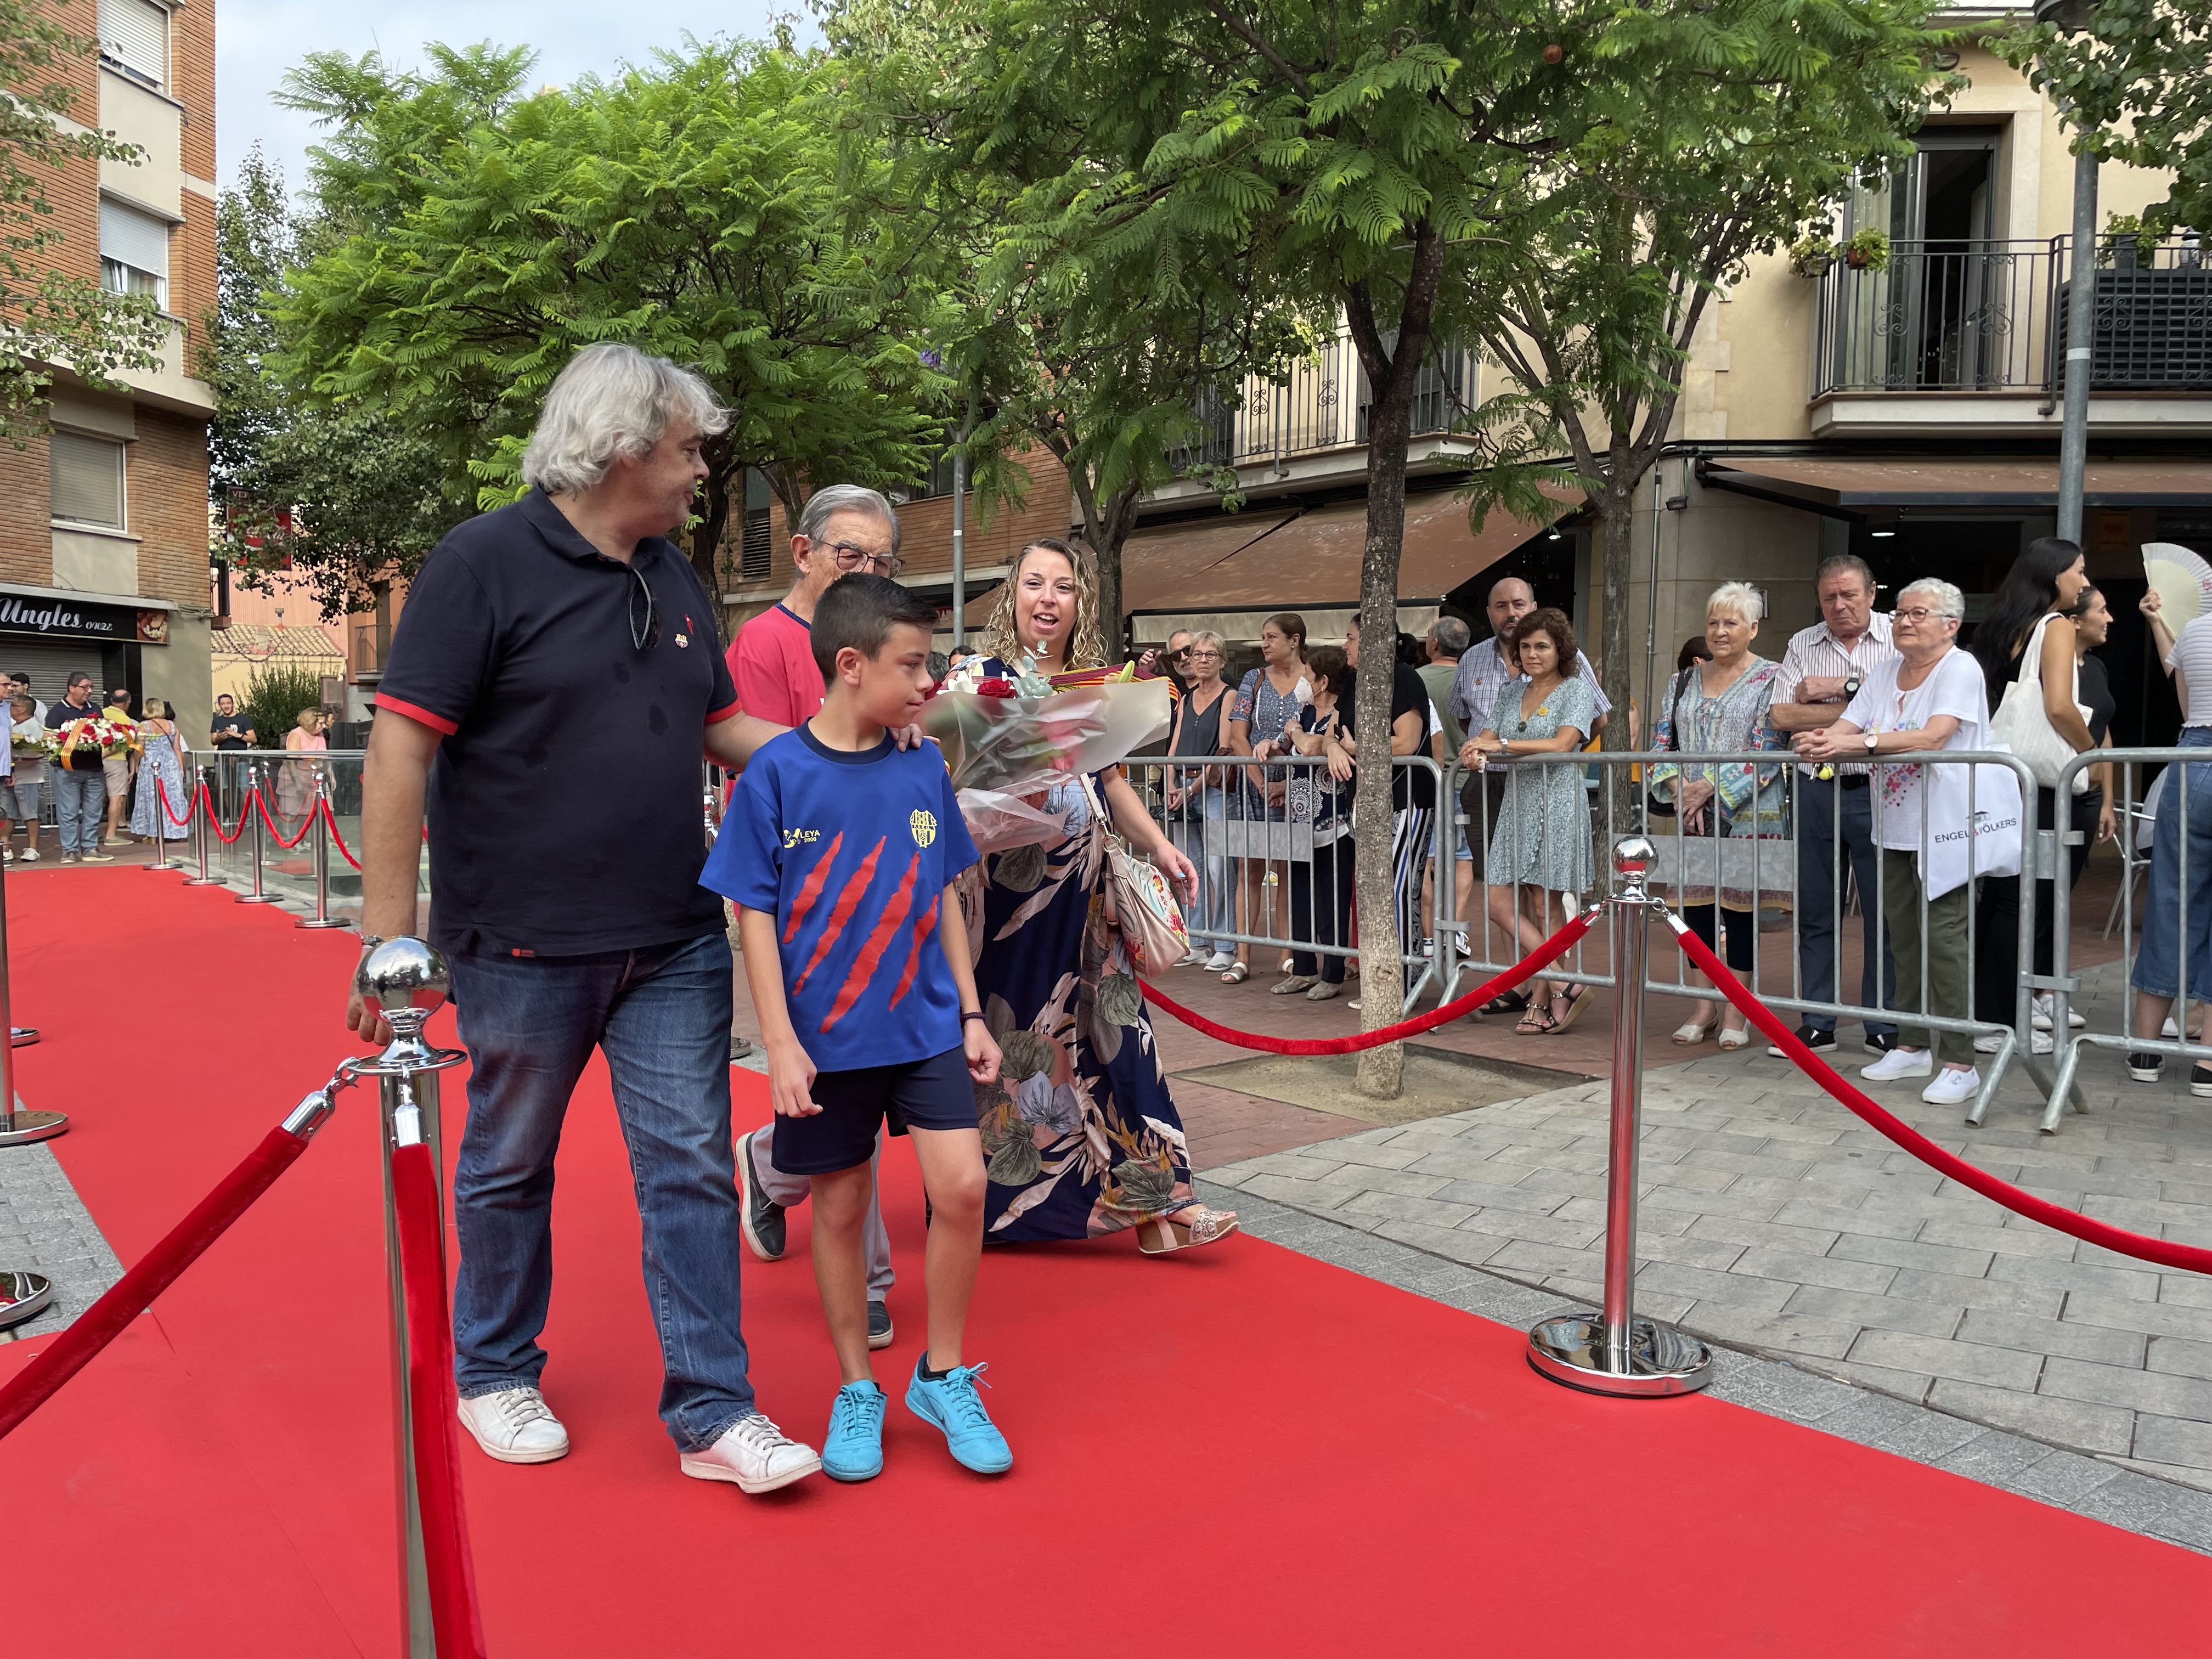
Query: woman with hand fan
[(2184, 821)]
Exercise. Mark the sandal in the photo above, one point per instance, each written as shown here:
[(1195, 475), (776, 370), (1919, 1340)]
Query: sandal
[(1695, 1031), (1321, 991), (1296, 985), (1506, 1002), (1735, 1036), (1537, 1022), (1161, 1235), (1573, 999), (1236, 974)]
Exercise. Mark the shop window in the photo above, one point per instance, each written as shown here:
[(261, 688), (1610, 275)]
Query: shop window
[(134, 36), (87, 480), (134, 252)]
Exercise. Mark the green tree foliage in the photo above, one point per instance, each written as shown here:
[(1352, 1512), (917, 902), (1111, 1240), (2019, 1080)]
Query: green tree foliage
[(345, 498), (1753, 119), (274, 697), (2137, 82), (48, 317), (710, 209)]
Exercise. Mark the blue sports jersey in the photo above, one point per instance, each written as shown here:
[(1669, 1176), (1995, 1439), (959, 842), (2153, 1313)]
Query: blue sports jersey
[(851, 854)]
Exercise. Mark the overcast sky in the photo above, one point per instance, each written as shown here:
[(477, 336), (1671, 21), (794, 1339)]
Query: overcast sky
[(258, 41)]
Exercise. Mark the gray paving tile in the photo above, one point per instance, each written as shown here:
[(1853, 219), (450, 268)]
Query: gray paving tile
[(2178, 1355), (1995, 1295), (1881, 1313), (1473, 1249), (2153, 1318), (2053, 1336), (1905, 1385), (2064, 1422), (1737, 1230), (1781, 1331), (1940, 1358), (1908, 1253), (2112, 1282), (2065, 1478), (1801, 1268), (2002, 1241), (2154, 1392), (1396, 1207), (2142, 1504), (2173, 1440)]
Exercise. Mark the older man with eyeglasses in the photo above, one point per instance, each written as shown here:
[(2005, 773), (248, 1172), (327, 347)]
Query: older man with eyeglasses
[(843, 528)]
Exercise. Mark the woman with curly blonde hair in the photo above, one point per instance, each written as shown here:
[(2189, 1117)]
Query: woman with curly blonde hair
[(1080, 1133)]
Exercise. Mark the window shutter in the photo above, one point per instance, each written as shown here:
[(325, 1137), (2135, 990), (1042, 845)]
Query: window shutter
[(135, 34), (87, 479), (135, 238)]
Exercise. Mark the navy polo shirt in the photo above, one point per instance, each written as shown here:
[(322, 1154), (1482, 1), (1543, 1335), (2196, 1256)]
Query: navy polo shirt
[(564, 803)]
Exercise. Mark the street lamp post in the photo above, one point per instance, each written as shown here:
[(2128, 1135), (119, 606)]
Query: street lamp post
[(2081, 304)]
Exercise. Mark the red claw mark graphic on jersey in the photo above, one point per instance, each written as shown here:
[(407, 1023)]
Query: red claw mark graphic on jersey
[(887, 926), (922, 930), (810, 889), (848, 900)]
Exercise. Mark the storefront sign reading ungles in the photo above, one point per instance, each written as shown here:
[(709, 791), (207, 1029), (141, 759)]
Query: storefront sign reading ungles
[(67, 619)]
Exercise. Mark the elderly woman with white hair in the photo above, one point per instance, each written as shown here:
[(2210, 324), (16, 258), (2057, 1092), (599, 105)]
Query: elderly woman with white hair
[(1933, 698), (1721, 707)]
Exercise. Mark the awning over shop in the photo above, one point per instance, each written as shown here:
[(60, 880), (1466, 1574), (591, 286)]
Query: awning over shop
[(1994, 481), (1152, 559)]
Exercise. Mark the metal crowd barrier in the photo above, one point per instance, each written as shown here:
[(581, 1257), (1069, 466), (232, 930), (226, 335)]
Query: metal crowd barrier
[(1753, 882), (2155, 791), (242, 848)]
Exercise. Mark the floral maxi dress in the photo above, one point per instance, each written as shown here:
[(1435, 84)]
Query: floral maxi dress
[(1543, 834), (1080, 1137)]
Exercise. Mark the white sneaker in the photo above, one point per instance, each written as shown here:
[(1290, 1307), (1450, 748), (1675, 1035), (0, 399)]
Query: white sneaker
[(2074, 1018), (28, 855), (2040, 1041), (1952, 1086), (1190, 959), (1899, 1062), (514, 1426), (755, 1454), (1220, 962)]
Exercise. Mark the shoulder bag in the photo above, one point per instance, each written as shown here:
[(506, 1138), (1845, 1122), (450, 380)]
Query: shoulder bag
[(2022, 725), (1655, 806), (1139, 902)]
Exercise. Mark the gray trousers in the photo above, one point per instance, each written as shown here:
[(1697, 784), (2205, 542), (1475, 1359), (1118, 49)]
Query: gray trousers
[(792, 1189)]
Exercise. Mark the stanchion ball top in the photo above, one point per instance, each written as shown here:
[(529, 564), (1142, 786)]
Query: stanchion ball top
[(1632, 855), (404, 973)]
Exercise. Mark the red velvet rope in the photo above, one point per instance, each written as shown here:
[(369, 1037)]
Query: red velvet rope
[(276, 835), (431, 1395), (103, 1322), (1544, 955), (161, 790), (2164, 1252), (330, 819), (245, 812)]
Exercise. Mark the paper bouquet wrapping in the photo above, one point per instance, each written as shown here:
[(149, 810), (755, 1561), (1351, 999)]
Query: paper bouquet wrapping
[(1008, 741)]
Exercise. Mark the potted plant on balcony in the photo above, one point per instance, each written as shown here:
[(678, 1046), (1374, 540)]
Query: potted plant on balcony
[(1811, 256), (2123, 240), (1867, 251)]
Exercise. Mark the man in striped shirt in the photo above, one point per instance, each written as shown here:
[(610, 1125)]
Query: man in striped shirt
[(1820, 673)]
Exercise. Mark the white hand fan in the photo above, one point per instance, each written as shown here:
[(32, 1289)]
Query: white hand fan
[(2182, 580)]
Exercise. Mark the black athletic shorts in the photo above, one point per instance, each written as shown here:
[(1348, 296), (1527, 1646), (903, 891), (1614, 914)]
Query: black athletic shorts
[(936, 1093)]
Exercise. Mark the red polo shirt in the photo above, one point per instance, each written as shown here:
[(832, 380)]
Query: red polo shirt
[(772, 664)]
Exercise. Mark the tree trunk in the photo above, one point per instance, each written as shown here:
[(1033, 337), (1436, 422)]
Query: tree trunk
[(1615, 506), (1106, 527), (706, 535)]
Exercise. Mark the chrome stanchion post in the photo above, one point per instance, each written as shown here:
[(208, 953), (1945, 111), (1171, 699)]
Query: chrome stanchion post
[(203, 809), (17, 1127), (320, 808), (1618, 1353), (408, 981), (256, 810)]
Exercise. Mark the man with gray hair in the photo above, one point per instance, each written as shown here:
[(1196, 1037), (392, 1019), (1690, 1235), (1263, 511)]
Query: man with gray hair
[(551, 686), (842, 528)]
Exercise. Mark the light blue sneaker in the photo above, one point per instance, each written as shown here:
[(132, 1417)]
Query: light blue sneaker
[(952, 1405), (854, 1450)]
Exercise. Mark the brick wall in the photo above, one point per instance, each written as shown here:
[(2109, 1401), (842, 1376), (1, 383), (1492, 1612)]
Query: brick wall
[(27, 537), (191, 83), (74, 195), (81, 75), (191, 273), (169, 507)]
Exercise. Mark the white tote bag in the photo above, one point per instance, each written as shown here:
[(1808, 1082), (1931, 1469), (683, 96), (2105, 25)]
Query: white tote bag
[(1974, 826), (2023, 726)]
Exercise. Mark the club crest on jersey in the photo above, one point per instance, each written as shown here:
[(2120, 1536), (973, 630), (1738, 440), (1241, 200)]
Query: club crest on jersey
[(924, 825)]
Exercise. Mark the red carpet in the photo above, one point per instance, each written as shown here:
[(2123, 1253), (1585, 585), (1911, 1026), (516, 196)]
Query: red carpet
[(1243, 1452)]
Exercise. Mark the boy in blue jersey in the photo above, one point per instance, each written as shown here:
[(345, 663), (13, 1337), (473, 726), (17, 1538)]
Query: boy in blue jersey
[(840, 851)]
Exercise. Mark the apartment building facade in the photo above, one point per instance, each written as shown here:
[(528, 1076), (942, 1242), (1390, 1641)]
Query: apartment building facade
[(104, 521)]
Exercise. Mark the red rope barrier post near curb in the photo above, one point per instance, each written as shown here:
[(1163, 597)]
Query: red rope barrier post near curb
[(1522, 971), (203, 809), (163, 845), (1618, 1353), (257, 806), (159, 1268), (2164, 1252), (318, 817), (433, 1406)]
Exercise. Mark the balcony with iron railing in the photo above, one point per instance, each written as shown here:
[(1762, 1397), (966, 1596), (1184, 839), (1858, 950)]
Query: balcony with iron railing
[(1981, 317), (1321, 404)]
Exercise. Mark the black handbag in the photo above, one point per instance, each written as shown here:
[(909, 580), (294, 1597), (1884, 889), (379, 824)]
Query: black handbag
[(1654, 807)]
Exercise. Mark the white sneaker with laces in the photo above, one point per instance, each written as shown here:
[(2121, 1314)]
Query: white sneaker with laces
[(1899, 1062), (753, 1453), (514, 1426), (1951, 1087), (29, 855), (1219, 961), (2074, 1018)]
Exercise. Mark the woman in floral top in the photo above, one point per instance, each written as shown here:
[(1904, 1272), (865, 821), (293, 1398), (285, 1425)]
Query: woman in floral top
[(1721, 707), (1266, 702)]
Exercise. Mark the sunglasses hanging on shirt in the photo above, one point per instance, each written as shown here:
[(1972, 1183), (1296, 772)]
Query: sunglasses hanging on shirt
[(644, 634)]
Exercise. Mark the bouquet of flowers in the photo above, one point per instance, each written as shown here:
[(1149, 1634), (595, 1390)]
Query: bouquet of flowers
[(110, 737), (1008, 740)]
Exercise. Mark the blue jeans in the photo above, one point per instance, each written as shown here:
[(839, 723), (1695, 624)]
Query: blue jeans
[(1212, 919), (79, 805), (1820, 807), (2180, 823), (662, 1016)]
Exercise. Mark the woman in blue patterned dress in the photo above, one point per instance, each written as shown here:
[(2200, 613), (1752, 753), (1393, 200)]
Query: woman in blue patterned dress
[(1267, 704), (1080, 1134)]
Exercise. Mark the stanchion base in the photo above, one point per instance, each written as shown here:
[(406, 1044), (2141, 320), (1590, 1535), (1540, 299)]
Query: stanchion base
[(327, 921), (23, 1037), (1570, 1348), (23, 1296), (202, 881), (22, 1128), (261, 898)]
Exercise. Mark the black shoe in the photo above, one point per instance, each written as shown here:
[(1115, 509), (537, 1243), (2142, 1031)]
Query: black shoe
[(2145, 1068), (2200, 1080), (1816, 1041), (762, 1220), (879, 1325), (1879, 1043), (740, 1046)]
